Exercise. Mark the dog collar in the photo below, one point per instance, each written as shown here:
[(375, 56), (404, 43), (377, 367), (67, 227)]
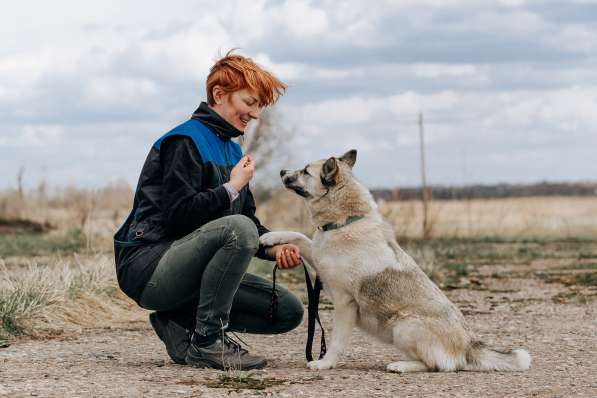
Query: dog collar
[(349, 220)]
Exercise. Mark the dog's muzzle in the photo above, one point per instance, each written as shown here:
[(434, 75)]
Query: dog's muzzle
[(289, 180)]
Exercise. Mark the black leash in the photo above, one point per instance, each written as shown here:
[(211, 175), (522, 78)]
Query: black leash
[(312, 309), (273, 309), (313, 292)]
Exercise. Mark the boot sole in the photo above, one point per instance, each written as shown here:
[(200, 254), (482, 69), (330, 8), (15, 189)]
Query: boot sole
[(204, 363)]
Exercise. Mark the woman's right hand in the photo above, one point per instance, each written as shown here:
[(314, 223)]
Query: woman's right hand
[(242, 172)]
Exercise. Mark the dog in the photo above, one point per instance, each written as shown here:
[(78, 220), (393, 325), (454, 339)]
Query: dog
[(374, 284)]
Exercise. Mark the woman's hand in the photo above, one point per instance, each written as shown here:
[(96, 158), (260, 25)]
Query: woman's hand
[(242, 172), (287, 255)]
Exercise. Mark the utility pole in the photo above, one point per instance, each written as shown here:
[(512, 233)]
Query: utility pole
[(424, 190), (20, 183)]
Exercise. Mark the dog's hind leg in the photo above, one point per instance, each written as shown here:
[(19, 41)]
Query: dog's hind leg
[(407, 367), (438, 346)]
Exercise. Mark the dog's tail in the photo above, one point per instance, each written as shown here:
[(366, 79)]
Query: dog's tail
[(481, 358)]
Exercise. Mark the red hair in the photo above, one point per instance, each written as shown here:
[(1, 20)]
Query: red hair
[(235, 72)]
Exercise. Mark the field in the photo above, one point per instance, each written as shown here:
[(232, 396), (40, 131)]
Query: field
[(510, 218), (523, 271)]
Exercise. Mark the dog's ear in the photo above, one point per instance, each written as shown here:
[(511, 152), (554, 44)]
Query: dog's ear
[(349, 157), (329, 172)]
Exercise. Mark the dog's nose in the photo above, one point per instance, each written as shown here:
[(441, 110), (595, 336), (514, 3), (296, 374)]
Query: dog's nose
[(288, 179), (282, 172)]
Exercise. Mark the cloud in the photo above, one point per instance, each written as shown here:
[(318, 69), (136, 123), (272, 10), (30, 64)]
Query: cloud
[(507, 89), (434, 71), (341, 111), (119, 90), (301, 18), (411, 103), (491, 129), (39, 135)]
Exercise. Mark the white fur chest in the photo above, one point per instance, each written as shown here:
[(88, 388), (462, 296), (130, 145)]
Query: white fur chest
[(335, 268), (345, 256)]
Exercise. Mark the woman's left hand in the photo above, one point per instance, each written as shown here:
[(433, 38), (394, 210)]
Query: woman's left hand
[(287, 255)]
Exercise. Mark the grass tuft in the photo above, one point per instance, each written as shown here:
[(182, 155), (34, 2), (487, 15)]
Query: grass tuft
[(24, 298), (41, 300), (237, 380)]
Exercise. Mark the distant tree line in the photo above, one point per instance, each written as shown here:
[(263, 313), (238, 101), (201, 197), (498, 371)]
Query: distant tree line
[(489, 191)]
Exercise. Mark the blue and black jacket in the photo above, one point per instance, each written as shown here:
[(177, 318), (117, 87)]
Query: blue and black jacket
[(180, 189)]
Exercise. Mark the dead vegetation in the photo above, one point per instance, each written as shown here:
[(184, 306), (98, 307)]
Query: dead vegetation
[(60, 297), (240, 381), (510, 265), (14, 226), (52, 279)]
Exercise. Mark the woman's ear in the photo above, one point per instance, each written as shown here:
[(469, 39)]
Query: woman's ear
[(218, 94), (329, 172)]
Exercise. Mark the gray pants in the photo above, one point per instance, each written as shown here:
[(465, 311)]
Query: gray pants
[(202, 277)]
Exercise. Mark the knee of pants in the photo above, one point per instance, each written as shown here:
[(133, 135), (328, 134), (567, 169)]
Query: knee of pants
[(290, 312), (244, 231)]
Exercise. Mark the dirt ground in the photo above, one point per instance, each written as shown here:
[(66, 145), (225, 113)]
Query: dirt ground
[(542, 306)]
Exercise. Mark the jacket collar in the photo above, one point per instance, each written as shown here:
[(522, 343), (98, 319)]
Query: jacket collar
[(215, 122)]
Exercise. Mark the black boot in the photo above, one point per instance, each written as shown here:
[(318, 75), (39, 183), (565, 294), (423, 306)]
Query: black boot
[(176, 338), (221, 352)]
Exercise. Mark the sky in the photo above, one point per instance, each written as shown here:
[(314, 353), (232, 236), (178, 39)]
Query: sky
[(507, 88)]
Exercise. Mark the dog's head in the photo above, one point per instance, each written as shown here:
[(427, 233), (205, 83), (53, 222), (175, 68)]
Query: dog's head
[(320, 177)]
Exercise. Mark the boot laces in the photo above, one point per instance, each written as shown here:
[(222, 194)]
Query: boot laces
[(235, 343)]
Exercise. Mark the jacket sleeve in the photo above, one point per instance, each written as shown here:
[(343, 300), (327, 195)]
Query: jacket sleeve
[(185, 207), (249, 211)]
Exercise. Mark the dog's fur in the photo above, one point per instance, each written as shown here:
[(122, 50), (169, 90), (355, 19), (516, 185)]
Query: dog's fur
[(375, 285)]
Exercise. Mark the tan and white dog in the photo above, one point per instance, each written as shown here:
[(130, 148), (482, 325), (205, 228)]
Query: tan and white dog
[(374, 284)]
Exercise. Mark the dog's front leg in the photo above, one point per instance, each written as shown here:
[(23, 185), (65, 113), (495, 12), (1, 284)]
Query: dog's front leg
[(345, 313), (281, 237)]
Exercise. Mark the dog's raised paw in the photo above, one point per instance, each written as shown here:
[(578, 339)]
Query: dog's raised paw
[(320, 364), (274, 238)]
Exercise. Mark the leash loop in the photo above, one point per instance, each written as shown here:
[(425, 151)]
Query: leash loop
[(313, 293)]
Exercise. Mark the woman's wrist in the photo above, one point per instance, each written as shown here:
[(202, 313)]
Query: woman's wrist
[(236, 184), (271, 252)]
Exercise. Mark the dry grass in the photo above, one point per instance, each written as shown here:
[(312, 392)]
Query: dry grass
[(541, 217), (285, 210), (96, 213), (512, 230), (61, 292), (40, 301), (513, 218)]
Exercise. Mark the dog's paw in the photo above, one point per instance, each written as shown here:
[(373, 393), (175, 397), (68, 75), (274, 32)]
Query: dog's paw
[(275, 238), (395, 367), (406, 367), (321, 364)]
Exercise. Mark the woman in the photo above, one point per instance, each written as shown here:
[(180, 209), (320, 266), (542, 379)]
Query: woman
[(186, 245)]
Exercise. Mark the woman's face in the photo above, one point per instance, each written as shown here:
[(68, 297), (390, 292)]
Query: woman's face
[(238, 107)]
